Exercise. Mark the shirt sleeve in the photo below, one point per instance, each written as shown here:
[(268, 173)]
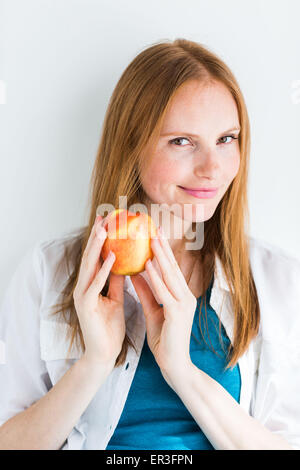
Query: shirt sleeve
[(23, 375), (277, 394)]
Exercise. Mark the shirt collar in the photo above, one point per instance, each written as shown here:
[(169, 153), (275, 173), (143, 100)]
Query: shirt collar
[(220, 278)]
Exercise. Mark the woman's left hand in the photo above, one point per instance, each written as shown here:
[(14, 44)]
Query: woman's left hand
[(168, 327)]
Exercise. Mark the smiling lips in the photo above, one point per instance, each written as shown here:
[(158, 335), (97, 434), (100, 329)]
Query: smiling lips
[(201, 193)]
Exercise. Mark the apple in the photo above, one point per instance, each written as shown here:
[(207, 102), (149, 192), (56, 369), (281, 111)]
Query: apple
[(129, 237)]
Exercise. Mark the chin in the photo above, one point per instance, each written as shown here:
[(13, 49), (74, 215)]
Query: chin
[(199, 213)]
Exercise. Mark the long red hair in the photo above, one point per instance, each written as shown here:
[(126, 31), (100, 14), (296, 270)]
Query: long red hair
[(133, 118)]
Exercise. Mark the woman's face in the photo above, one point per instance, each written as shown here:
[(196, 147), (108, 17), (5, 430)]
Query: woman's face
[(197, 148)]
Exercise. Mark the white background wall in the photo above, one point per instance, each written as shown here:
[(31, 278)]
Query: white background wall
[(59, 63)]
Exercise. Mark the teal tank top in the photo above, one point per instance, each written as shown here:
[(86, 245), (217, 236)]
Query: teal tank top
[(154, 417)]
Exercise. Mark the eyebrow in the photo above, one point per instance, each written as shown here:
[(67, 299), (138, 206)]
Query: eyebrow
[(195, 135)]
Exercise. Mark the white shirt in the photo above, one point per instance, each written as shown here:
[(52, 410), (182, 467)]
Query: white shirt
[(33, 348)]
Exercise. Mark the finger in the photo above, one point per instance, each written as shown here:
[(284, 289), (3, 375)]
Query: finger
[(196, 278), (98, 220), (164, 295), (100, 278), (153, 312), (90, 262), (168, 270), (116, 287), (144, 293), (170, 255)]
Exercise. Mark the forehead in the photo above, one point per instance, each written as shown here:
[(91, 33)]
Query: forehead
[(201, 107)]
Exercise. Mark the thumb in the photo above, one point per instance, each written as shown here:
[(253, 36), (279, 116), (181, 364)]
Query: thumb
[(116, 287), (144, 293)]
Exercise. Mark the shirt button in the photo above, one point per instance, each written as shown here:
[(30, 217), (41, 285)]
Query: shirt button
[(127, 365)]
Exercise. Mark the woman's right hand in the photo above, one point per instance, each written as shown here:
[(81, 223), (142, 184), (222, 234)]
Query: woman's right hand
[(101, 319)]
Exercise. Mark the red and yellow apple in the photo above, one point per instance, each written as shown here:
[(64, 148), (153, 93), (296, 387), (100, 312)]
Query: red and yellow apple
[(129, 237)]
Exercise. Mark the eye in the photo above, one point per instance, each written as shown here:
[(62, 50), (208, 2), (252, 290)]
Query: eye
[(232, 137), (177, 139)]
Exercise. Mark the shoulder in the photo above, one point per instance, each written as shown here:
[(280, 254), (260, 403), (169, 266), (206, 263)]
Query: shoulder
[(54, 246), (52, 250), (51, 257), (272, 260), (266, 252), (276, 274)]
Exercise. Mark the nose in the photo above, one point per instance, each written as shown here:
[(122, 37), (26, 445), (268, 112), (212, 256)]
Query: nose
[(207, 164)]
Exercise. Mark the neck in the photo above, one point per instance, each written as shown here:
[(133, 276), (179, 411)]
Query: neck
[(180, 232)]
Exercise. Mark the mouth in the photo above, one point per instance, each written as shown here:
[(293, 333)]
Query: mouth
[(201, 193)]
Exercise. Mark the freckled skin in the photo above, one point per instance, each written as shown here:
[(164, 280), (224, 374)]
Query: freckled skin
[(206, 110)]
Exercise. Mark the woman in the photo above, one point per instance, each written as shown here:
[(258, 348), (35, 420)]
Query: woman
[(200, 351)]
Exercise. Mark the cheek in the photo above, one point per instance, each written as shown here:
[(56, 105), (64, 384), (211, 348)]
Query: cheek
[(232, 167), (161, 173)]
